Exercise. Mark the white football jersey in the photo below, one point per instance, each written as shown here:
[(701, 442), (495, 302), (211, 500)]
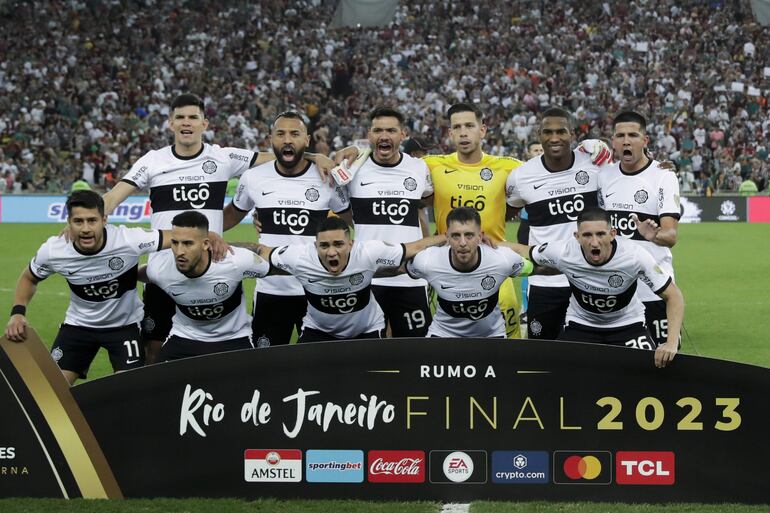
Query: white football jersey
[(650, 193), (178, 184), (289, 208), (342, 305), (386, 200), (102, 285), (210, 307), (604, 296), (553, 200), (467, 300)]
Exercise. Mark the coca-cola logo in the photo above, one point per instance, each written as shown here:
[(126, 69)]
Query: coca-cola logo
[(396, 466)]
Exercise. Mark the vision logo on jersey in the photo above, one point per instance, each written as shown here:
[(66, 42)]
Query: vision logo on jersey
[(582, 467), (644, 468), (520, 467), (273, 465), (396, 466), (454, 467), (328, 466)]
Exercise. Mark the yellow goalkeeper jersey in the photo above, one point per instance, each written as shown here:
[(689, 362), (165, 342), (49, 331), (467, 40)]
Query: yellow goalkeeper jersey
[(481, 186)]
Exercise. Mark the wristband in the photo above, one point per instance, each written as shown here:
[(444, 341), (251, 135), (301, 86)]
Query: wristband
[(19, 310)]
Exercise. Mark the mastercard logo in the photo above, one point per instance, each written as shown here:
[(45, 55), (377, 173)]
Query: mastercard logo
[(582, 467)]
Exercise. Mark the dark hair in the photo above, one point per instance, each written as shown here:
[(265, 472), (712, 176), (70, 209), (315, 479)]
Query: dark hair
[(464, 107), (290, 114), (186, 100), (85, 199), (463, 215), (630, 116), (191, 219), (386, 112), (558, 112), (594, 214), (332, 223), (531, 143)]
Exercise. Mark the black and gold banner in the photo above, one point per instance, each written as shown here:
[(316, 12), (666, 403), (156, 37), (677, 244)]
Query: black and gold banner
[(452, 420)]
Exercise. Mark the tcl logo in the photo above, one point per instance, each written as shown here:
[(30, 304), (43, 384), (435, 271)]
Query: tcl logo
[(645, 468), (396, 466)]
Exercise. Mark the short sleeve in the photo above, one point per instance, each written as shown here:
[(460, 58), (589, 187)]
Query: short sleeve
[(547, 254), (139, 174), (428, 191), (512, 194), (142, 240), (41, 266), (514, 265), (242, 199), (339, 201), (286, 258), (651, 273), (240, 160), (668, 195), (383, 254), (416, 266), (250, 264)]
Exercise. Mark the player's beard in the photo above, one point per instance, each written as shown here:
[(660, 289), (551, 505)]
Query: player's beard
[(299, 153)]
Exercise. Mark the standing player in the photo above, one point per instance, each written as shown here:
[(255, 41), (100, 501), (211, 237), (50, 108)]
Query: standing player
[(534, 150), (467, 277), (99, 262), (291, 200), (210, 314), (555, 188), (188, 175), (387, 194), (336, 274), (471, 178), (603, 272), (643, 201)]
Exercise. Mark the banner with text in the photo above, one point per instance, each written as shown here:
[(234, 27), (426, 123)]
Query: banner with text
[(452, 420)]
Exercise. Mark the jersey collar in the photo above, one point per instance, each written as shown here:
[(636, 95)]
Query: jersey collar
[(181, 157)]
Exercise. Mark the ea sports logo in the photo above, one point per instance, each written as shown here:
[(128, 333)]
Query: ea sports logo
[(458, 467), (582, 467)]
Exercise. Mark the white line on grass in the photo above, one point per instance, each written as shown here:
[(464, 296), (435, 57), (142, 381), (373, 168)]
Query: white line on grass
[(455, 508)]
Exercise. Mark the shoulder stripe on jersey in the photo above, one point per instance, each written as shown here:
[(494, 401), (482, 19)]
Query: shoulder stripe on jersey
[(664, 287), (254, 159), (160, 240)]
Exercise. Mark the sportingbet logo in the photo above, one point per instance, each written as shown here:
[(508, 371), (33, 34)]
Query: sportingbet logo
[(396, 466), (645, 468), (330, 466), (135, 212), (273, 465)]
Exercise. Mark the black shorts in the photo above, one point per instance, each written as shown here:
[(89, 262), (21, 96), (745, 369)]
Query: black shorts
[(405, 308), (546, 310), (75, 348), (313, 335), (177, 347), (633, 335), (275, 317), (159, 308), (657, 321)]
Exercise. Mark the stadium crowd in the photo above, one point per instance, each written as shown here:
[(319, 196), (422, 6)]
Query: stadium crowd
[(85, 85)]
